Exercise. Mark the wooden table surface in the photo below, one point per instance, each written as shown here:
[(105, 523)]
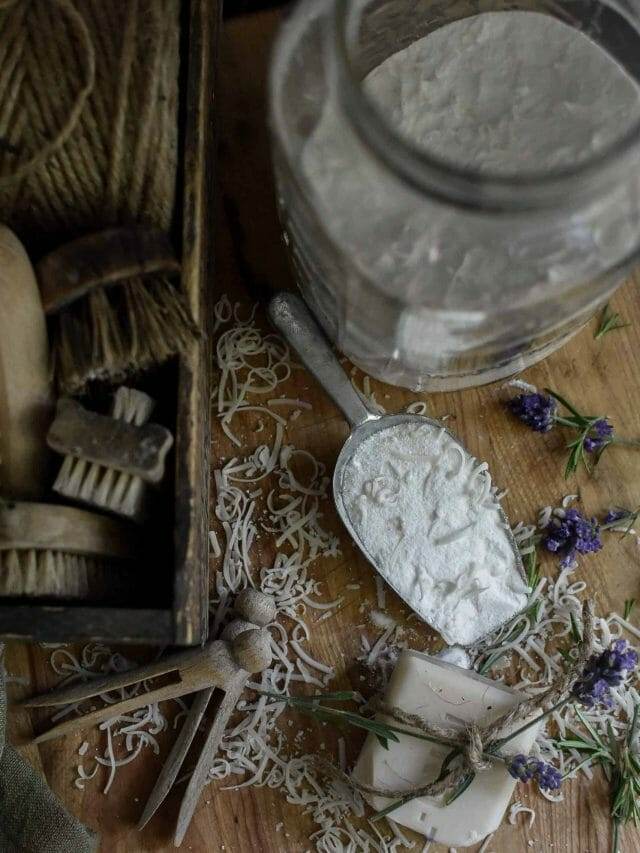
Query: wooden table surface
[(600, 375)]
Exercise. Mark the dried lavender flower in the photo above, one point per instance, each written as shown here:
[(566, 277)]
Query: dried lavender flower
[(616, 515), (547, 777), (535, 410), (571, 535), (600, 435), (604, 671), (525, 768)]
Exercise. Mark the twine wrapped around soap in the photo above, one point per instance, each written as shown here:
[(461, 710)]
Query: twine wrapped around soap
[(476, 742)]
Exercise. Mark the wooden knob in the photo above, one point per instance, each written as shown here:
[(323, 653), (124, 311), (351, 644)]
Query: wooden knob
[(256, 607), (235, 628), (252, 649)]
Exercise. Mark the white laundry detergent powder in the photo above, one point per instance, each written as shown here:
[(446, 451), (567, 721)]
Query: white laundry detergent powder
[(424, 511), (506, 93)]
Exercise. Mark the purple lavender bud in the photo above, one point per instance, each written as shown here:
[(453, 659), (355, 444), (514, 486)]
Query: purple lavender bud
[(535, 410), (615, 515), (574, 534), (547, 777), (604, 671), (523, 768), (601, 434), (603, 428), (568, 561)]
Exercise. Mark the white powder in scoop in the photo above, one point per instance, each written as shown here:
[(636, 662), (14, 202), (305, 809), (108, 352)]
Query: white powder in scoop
[(423, 510)]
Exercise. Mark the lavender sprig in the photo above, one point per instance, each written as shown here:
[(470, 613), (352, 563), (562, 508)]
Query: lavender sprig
[(595, 433)]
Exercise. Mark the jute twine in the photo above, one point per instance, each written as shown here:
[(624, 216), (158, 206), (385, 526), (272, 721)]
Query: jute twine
[(88, 114), (476, 742)]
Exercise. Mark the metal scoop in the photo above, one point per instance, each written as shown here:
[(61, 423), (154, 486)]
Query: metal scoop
[(292, 319)]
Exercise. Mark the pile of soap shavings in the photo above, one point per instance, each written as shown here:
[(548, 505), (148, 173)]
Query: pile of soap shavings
[(263, 500), (127, 735), (529, 652)]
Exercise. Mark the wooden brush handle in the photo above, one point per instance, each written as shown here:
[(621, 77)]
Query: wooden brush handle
[(49, 527), (25, 393), (100, 259)]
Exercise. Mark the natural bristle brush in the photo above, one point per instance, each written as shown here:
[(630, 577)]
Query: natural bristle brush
[(113, 308), (110, 460), (51, 551)]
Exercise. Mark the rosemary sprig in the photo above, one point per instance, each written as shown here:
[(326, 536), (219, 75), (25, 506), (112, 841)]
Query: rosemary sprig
[(384, 732), (623, 764), (629, 604), (625, 781), (609, 321)]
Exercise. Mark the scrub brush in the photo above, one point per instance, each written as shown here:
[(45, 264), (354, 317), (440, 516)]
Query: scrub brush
[(55, 551), (110, 460), (112, 307)]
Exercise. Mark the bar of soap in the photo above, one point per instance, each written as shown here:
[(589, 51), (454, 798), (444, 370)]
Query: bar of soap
[(445, 694)]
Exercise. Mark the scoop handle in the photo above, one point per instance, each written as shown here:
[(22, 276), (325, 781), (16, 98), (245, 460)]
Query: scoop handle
[(294, 321)]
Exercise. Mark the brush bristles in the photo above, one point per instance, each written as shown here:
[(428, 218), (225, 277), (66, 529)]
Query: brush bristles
[(102, 487), (119, 330), (53, 573)]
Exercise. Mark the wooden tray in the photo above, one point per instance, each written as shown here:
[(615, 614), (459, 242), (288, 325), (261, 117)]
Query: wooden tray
[(180, 615)]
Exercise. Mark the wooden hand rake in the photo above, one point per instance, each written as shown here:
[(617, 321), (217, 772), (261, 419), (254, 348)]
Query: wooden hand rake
[(225, 664)]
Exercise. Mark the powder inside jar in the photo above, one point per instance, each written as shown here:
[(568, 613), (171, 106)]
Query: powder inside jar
[(423, 510)]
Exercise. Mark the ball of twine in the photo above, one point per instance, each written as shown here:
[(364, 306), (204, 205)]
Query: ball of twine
[(88, 113)]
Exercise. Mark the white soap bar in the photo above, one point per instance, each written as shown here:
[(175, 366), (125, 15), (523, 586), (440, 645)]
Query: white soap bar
[(447, 695)]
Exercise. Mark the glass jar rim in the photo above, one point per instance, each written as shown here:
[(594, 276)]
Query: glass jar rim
[(428, 173)]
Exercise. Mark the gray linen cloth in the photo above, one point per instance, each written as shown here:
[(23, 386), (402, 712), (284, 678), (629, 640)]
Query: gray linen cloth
[(32, 818)]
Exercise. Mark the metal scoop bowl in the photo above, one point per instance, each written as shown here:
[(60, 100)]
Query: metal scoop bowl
[(292, 318)]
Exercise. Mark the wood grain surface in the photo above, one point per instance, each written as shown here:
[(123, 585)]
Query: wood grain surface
[(601, 375)]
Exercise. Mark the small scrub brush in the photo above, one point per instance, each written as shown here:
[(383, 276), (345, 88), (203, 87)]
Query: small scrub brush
[(110, 460), (113, 308), (51, 551)]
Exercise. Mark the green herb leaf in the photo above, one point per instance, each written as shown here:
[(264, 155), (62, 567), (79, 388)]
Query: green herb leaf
[(629, 604), (609, 321), (531, 566), (576, 633), (577, 744), (582, 420)]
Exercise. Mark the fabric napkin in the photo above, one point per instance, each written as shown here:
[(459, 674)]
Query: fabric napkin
[(32, 819)]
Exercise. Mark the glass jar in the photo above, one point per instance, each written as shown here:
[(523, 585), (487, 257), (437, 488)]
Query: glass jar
[(425, 272)]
